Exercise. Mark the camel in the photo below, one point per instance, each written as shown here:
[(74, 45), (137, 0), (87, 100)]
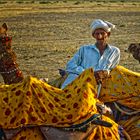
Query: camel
[(12, 74), (134, 49), (97, 122)]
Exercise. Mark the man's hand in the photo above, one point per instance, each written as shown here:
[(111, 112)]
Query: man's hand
[(103, 109), (101, 75)]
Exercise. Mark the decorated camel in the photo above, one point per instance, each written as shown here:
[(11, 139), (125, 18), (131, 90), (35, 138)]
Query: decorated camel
[(134, 49), (33, 109)]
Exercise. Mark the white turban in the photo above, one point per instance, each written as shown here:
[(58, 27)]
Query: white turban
[(100, 24)]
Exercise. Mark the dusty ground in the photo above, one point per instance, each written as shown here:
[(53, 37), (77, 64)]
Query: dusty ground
[(46, 36)]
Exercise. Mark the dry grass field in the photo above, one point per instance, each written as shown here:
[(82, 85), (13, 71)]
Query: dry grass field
[(45, 36)]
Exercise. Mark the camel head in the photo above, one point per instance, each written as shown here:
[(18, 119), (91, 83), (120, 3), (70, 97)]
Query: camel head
[(134, 49), (3, 29)]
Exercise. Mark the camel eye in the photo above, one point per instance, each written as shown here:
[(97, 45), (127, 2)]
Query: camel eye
[(5, 26)]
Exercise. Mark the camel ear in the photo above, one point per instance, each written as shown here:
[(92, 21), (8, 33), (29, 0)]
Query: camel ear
[(5, 26)]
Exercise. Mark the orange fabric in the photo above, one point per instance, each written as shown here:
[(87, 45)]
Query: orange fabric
[(122, 86), (105, 133), (132, 127), (34, 102)]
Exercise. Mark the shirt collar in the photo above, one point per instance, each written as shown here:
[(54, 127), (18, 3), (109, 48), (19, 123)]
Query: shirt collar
[(95, 47)]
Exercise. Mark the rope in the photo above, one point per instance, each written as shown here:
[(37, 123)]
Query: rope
[(125, 112)]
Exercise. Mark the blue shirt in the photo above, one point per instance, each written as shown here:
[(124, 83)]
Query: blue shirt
[(88, 56)]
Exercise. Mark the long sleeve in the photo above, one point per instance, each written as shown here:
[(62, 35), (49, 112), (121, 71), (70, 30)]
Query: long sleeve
[(74, 65), (88, 56)]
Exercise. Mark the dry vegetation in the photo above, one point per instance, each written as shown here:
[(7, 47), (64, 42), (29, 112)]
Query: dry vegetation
[(45, 36)]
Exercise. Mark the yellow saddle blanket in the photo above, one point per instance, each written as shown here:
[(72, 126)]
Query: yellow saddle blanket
[(33, 102)]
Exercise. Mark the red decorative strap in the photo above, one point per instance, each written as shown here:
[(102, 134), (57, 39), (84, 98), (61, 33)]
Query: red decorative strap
[(6, 40)]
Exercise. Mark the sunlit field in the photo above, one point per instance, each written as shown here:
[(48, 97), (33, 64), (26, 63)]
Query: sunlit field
[(46, 34)]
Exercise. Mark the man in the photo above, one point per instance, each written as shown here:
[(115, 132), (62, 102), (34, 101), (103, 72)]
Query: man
[(100, 56)]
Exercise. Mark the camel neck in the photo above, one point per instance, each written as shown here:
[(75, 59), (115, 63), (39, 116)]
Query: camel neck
[(8, 67)]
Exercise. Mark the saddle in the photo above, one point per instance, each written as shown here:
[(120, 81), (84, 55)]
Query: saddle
[(74, 132)]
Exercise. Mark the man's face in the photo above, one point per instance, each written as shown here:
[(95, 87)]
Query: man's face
[(101, 35)]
